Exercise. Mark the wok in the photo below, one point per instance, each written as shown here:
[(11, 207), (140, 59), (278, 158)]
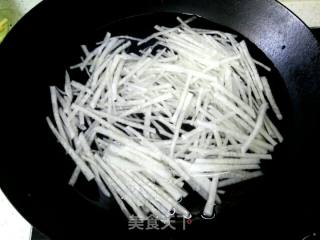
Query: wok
[(34, 170)]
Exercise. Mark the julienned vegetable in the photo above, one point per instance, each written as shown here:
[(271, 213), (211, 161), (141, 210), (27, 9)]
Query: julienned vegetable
[(191, 108)]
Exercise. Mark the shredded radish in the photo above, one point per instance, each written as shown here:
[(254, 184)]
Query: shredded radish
[(208, 209), (191, 108)]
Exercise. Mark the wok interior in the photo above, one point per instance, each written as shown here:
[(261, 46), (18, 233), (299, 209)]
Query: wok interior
[(243, 197)]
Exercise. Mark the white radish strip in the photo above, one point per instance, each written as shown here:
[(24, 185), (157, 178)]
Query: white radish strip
[(120, 184), (224, 101), (159, 108), (74, 176), (70, 131), (249, 129), (164, 197), (181, 150), (164, 86), (148, 163), (115, 81), (179, 123), (225, 161), (80, 163), (222, 167), (90, 133), (191, 134), (175, 192), (225, 117), (99, 182), (234, 134), (225, 153), (80, 87), (123, 121), (55, 110), (268, 129), (97, 52), (208, 209), (228, 123), (63, 101), (155, 35), (96, 118), (150, 63), (102, 84), (204, 182), (85, 146), (131, 186), (181, 101), (207, 115), (251, 65), (270, 98), (154, 196), (240, 87), (147, 122), (178, 182), (256, 129), (103, 42), (163, 31), (218, 199), (119, 201), (123, 195), (139, 108), (154, 206), (153, 191), (113, 47), (198, 104), (143, 140), (237, 100), (274, 129), (267, 136), (129, 38), (134, 71), (123, 163), (67, 86), (96, 74), (156, 153), (210, 141), (222, 175), (127, 142), (85, 50), (86, 61), (217, 137), (248, 77), (215, 131), (262, 65), (199, 187), (130, 103), (161, 130), (81, 121), (231, 181)]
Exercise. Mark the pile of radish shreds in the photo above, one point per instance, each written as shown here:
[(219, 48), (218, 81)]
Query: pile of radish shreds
[(191, 109)]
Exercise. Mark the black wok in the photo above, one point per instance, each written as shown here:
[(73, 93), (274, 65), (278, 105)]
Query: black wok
[(34, 169)]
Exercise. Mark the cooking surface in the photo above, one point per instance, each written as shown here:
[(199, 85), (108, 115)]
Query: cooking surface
[(36, 234)]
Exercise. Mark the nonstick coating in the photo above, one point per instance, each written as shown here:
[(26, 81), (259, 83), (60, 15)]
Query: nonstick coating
[(35, 170)]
